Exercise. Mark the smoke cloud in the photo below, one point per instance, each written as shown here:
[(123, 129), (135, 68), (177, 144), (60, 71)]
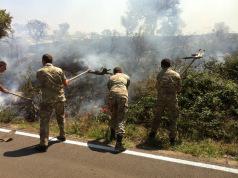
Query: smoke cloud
[(153, 17), (154, 32)]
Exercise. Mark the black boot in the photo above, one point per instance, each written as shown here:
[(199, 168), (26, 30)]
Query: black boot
[(112, 135), (119, 146), (172, 141), (152, 135), (61, 138), (41, 148)]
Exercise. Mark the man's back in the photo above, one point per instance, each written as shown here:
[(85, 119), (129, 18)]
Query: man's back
[(51, 83), (118, 84), (168, 83)]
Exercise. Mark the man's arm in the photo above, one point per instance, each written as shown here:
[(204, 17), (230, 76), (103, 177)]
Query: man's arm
[(128, 83), (39, 78), (178, 83), (65, 81), (109, 84), (2, 89), (157, 82)]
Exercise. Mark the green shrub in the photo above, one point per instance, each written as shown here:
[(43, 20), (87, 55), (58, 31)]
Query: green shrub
[(7, 114), (208, 107)]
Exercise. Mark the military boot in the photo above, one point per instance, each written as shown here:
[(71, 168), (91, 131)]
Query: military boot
[(41, 148), (172, 141), (112, 135), (152, 135), (61, 138), (119, 146)]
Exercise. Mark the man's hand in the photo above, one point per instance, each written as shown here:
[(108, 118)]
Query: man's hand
[(4, 90), (66, 82)]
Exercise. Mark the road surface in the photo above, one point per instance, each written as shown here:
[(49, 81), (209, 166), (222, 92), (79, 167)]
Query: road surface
[(19, 160)]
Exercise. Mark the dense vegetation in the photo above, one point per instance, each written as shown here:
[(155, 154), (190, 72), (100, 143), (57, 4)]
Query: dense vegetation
[(208, 112), (208, 102)]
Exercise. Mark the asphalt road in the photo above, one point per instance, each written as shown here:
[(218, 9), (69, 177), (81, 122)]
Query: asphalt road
[(19, 160)]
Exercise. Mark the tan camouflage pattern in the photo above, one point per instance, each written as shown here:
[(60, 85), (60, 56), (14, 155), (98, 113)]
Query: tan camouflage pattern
[(118, 106), (172, 110), (168, 85), (118, 84), (46, 111), (118, 101), (50, 79)]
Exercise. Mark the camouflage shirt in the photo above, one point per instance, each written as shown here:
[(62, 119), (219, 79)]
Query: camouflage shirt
[(168, 83), (118, 84), (50, 79)]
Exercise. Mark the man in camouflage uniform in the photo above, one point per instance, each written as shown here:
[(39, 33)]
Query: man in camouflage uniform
[(168, 85), (51, 81), (118, 103), (3, 67)]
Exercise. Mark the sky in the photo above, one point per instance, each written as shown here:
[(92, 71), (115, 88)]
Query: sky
[(199, 16)]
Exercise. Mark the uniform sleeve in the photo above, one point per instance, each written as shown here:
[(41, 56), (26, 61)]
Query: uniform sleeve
[(128, 83), (157, 81), (178, 83), (40, 78), (109, 85), (63, 76)]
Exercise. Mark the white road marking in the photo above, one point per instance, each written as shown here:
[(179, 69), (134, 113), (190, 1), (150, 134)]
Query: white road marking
[(135, 153)]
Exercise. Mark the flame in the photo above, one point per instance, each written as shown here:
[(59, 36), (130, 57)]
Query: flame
[(104, 109)]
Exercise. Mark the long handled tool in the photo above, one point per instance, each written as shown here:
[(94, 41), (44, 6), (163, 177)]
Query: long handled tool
[(103, 71), (77, 76), (8, 136), (23, 97), (195, 56)]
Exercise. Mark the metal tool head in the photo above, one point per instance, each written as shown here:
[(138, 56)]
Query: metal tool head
[(8, 136)]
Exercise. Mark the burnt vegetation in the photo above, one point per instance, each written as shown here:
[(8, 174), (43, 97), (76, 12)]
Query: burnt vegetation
[(208, 101)]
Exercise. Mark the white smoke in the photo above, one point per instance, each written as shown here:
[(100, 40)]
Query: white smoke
[(153, 16)]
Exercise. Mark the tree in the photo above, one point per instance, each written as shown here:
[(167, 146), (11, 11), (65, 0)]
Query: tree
[(220, 29), (62, 32), (106, 32), (5, 23), (63, 28), (37, 29)]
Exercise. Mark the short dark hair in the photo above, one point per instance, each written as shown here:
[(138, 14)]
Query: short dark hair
[(117, 70), (165, 63), (47, 58), (2, 63)]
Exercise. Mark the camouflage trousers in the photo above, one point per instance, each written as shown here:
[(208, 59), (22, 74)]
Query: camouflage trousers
[(170, 106), (118, 106), (46, 110)]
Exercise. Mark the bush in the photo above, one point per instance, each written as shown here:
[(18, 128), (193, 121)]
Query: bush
[(7, 115), (141, 111), (208, 107), (208, 103)]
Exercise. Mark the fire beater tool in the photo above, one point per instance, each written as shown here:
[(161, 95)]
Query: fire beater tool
[(7, 137), (77, 76), (197, 55), (103, 71), (16, 94)]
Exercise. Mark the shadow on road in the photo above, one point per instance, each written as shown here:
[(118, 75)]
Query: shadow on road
[(102, 146), (156, 144), (27, 151), (153, 144)]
